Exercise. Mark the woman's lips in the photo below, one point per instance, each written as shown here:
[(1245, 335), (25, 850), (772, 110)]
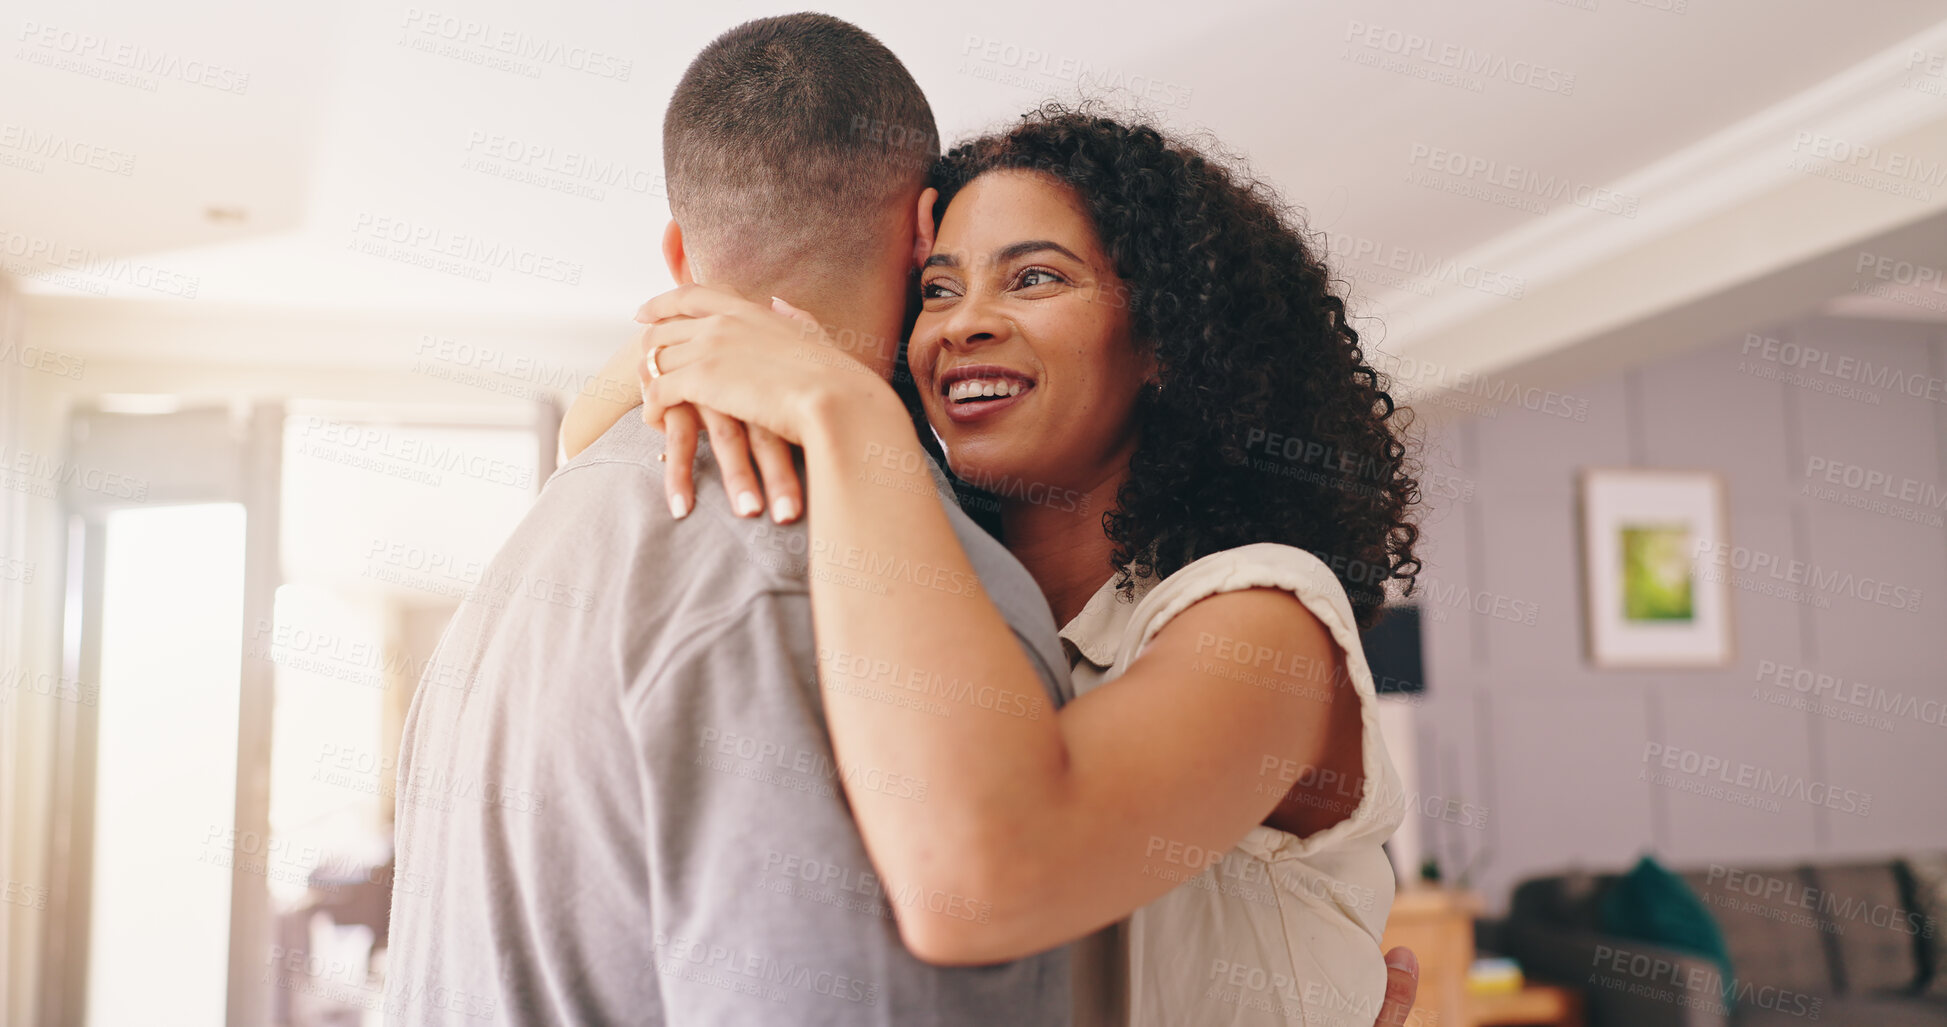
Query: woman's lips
[(969, 411), (974, 393)]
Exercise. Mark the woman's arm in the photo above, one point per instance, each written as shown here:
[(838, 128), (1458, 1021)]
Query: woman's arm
[(616, 389), (1018, 833), (602, 402)]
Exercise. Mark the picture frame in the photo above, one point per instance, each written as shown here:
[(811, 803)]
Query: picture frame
[(1652, 598)]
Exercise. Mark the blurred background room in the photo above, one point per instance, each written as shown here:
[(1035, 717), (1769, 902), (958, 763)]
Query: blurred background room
[(292, 298)]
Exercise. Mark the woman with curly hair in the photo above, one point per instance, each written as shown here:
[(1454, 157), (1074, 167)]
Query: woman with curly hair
[(1132, 350)]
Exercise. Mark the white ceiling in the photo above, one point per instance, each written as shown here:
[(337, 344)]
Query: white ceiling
[(345, 127)]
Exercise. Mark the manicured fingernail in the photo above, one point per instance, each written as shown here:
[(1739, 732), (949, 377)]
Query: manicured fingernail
[(679, 507), (1403, 959), (783, 508), (748, 505)]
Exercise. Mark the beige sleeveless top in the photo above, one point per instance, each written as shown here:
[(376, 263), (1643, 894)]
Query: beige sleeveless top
[(1281, 930)]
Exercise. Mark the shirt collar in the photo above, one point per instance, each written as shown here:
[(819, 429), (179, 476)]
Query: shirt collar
[(1096, 632)]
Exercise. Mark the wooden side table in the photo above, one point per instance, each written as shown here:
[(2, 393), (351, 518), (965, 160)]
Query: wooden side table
[(1438, 925), (1532, 1005)]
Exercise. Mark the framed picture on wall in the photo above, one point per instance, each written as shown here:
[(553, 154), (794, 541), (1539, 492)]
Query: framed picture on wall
[(1654, 597)]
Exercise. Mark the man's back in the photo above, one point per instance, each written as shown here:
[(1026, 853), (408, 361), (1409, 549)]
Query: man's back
[(617, 799)]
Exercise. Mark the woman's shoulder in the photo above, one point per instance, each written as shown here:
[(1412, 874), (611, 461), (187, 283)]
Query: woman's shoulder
[(1258, 565)]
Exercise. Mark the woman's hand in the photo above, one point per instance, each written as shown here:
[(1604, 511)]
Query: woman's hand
[(768, 367), (740, 454)]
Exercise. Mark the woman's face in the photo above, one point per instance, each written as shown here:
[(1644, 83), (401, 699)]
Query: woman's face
[(1022, 351)]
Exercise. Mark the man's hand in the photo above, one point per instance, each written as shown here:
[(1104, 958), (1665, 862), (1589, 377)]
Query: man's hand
[(1402, 984)]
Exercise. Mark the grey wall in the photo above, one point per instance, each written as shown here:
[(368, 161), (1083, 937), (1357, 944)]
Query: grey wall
[(1515, 718)]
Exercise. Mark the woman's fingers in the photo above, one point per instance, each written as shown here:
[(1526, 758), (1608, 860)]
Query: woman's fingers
[(1402, 986), (732, 450), (679, 476), (781, 483)]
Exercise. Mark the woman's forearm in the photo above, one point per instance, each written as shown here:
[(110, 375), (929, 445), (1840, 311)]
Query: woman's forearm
[(896, 602), (613, 392)]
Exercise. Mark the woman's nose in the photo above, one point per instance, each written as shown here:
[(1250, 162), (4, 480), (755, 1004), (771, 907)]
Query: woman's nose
[(975, 322)]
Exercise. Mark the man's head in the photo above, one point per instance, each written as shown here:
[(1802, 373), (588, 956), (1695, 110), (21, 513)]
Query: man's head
[(795, 149)]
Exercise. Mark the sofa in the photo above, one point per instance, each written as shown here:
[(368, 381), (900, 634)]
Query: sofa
[(1841, 943)]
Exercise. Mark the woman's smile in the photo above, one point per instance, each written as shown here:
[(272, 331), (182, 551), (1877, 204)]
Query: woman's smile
[(976, 391)]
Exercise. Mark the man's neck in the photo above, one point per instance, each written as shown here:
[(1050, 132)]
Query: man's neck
[(864, 320)]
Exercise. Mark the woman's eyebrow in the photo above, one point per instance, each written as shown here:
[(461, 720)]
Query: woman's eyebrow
[(1013, 251), (1022, 249)]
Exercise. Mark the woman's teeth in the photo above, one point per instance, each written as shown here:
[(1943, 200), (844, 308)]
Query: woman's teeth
[(983, 388)]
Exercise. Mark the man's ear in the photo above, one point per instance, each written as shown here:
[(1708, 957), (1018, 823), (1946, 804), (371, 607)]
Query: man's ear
[(923, 227), (675, 256)]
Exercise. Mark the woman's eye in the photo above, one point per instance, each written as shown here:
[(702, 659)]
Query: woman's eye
[(1034, 276), (933, 290)]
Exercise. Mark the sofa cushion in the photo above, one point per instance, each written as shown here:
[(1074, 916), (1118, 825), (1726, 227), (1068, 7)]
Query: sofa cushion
[(1872, 928), (1848, 1011), (1773, 941), (1568, 900), (1652, 904)]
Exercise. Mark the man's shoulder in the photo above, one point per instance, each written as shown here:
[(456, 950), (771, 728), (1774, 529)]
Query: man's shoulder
[(613, 492)]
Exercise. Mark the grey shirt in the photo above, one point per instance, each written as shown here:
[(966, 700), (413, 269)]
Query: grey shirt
[(618, 801)]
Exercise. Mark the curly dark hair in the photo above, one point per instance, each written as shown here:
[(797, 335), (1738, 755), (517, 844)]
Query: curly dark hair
[(1270, 425)]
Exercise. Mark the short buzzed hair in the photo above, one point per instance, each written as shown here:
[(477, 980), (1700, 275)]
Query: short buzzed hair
[(788, 136)]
